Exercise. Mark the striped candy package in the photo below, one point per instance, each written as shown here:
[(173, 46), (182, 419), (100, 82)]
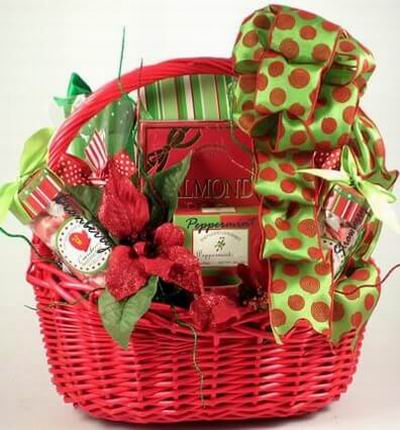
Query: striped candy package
[(345, 214), (348, 205), (187, 98), (39, 191)]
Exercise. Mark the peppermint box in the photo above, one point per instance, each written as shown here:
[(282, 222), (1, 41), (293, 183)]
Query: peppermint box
[(222, 238), (221, 169)]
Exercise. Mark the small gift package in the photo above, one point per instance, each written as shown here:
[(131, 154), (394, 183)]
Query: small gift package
[(60, 223), (222, 239), (345, 214)]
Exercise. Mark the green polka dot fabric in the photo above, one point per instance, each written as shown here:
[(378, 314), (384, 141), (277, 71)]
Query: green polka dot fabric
[(353, 301), (300, 78)]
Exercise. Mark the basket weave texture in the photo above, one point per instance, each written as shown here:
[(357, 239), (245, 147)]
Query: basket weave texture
[(246, 374)]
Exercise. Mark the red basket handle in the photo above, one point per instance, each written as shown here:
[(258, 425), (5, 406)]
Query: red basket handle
[(127, 83)]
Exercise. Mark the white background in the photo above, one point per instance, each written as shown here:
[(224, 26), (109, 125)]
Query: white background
[(41, 43)]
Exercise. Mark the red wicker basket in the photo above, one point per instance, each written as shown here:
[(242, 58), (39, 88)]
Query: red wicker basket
[(244, 373)]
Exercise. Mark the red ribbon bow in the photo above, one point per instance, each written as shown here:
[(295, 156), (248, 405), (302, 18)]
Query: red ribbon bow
[(96, 169)]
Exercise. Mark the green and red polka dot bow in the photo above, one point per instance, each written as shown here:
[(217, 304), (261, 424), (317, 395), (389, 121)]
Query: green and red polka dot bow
[(304, 67), (299, 82)]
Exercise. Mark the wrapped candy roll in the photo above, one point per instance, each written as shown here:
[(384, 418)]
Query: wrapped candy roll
[(344, 217), (59, 221)]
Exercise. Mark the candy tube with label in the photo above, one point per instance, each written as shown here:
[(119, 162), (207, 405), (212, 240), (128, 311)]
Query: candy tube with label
[(59, 222)]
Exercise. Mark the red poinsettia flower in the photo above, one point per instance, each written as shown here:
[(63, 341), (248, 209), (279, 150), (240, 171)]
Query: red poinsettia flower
[(125, 213), (130, 267)]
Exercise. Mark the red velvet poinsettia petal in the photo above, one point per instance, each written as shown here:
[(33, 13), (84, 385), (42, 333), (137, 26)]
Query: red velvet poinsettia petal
[(158, 266), (176, 265), (185, 270), (124, 210), (213, 310), (169, 235), (125, 274)]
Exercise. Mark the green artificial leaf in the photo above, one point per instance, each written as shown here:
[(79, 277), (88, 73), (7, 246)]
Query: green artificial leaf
[(132, 145), (76, 87), (88, 196), (162, 189), (116, 119), (120, 318), (77, 147)]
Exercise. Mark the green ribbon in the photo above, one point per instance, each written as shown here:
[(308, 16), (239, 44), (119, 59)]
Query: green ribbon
[(77, 86), (33, 159), (354, 299), (378, 198)]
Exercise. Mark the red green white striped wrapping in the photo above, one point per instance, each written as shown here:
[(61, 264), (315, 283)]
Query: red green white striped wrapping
[(39, 191), (348, 205), (196, 97), (96, 152)]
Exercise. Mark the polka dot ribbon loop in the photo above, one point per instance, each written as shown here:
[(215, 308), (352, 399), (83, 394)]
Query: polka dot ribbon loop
[(299, 82), (299, 74), (368, 148), (290, 228)]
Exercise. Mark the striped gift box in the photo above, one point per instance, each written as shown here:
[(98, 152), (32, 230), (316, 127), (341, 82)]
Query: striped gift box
[(196, 97), (39, 191), (348, 205)]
